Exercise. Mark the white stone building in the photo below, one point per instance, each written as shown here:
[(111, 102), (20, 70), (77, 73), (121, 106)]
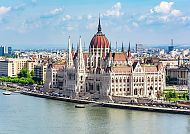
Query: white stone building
[(101, 74)]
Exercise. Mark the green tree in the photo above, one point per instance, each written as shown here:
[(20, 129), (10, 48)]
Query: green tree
[(167, 96), (24, 73), (32, 73)]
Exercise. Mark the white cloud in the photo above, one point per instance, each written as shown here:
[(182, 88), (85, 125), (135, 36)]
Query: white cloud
[(135, 24), (56, 11), (163, 13), (176, 13), (114, 11), (89, 17), (164, 18), (163, 7), (4, 10), (53, 13), (67, 17)]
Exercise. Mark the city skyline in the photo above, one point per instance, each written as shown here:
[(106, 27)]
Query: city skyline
[(31, 23)]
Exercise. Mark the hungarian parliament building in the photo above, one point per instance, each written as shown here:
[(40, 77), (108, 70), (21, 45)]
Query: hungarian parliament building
[(104, 74)]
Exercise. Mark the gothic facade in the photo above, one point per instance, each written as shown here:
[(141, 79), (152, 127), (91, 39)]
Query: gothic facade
[(103, 74)]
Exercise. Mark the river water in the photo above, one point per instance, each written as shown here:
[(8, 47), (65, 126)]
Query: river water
[(20, 114)]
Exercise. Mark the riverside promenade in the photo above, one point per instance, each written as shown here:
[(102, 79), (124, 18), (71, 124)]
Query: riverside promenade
[(153, 108)]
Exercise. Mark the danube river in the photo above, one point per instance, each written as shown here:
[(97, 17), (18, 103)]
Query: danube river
[(20, 114)]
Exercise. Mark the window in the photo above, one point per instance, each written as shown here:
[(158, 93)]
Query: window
[(135, 91)]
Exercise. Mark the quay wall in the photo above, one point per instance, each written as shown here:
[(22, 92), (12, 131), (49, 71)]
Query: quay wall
[(113, 105)]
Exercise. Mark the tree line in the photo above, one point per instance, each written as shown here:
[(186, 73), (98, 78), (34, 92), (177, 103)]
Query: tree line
[(24, 77)]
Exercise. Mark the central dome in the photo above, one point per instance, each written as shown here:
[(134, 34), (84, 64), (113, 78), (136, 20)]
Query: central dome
[(99, 40)]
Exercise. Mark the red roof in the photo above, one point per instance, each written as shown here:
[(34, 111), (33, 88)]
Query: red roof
[(150, 69), (119, 57), (121, 69)]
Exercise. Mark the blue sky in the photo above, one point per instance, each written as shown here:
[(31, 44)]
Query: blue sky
[(48, 23)]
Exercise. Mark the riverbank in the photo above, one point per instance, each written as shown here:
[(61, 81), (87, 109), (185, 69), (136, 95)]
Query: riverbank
[(113, 105)]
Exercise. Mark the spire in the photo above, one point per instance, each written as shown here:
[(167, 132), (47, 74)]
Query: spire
[(69, 44), (72, 47), (69, 55), (122, 48), (129, 50), (80, 45), (99, 26), (81, 65), (110, 45)]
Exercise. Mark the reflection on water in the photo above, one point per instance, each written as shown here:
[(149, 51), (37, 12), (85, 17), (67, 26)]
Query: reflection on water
[(31, 115)]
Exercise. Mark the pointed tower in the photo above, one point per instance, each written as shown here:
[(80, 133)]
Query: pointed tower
[(129, 51), (80, 71), (129, 57), (81, 65), (69, 55), (99, 26), (122, 48)]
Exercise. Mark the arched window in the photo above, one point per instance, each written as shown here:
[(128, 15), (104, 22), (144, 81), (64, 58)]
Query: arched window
[(148, 79), (135, 91)]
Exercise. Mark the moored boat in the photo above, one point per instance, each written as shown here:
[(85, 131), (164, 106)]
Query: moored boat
[(7, 93), (79, 106)]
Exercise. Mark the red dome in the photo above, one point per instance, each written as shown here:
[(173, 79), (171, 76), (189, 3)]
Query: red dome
[(99, 41)]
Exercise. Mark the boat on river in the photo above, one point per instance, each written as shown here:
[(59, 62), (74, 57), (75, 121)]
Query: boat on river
[(7, 93), (79, 106)]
